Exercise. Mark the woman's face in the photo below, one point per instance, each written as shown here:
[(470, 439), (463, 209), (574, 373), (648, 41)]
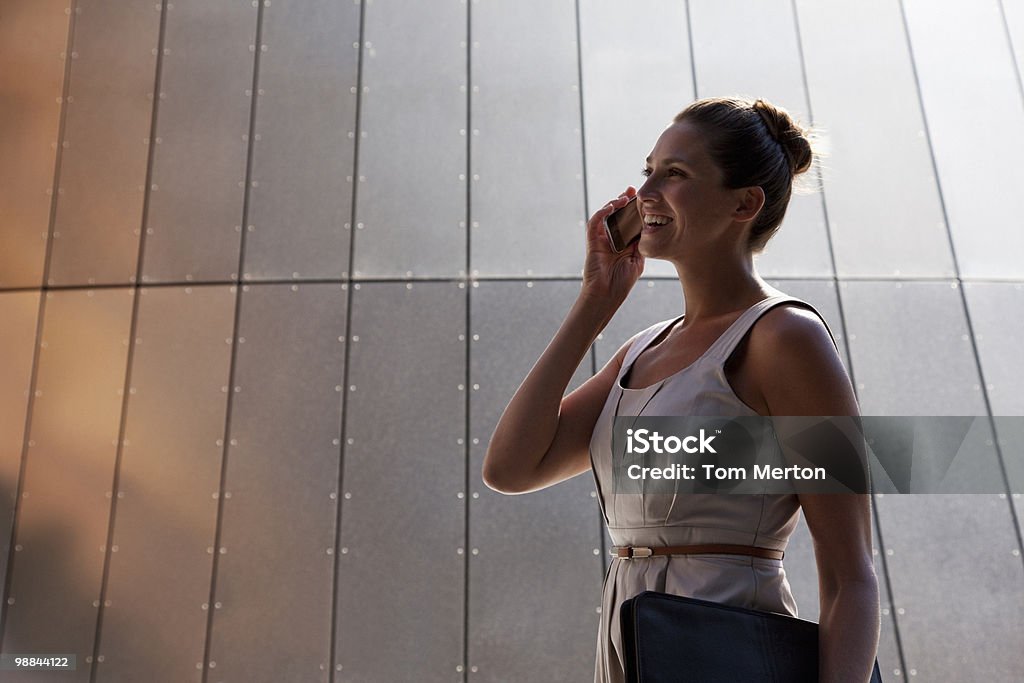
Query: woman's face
[(685, 187)]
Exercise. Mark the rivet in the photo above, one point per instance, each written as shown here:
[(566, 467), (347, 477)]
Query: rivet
[(476, 551), (460, 495), (459, 551), (348, 495), (476, 494)]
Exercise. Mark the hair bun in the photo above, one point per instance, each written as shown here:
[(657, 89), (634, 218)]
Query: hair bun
[(790, 135)]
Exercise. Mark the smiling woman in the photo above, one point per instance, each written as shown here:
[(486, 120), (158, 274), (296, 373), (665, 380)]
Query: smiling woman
[(718, 182)]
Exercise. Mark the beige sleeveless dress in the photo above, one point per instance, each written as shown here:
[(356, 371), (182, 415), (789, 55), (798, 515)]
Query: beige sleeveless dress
[(659, 520)]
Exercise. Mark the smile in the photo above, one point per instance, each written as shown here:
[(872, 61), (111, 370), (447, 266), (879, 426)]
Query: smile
[(655, 223)]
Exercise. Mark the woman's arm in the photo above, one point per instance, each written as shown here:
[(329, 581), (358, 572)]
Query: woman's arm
[(801, 374), (541, 438)]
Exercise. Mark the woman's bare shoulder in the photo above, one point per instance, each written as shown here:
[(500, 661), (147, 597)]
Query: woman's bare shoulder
[(797, 364)]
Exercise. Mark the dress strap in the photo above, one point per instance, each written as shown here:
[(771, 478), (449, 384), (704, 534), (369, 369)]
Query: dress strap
[(644, 340), (731, 338)]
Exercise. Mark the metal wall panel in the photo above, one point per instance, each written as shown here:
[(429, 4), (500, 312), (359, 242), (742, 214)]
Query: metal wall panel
[(526, 163), (169, 475), (19, 311), (899, 333), (621, 84), (997, 333), (103, 168), (1013, 15), (198, 183), (301, 197), (535, 558), (34, 34), (275, 566), (65, 503), (411, 200), (883, 201), (761, 58), (958, 587), (998, 329), (963, 57), (401, 571)]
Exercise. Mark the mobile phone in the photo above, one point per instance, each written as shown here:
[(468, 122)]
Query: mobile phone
[(624, 225)]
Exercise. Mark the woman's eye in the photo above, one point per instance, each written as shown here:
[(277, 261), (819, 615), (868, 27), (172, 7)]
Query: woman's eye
[(674, 171)]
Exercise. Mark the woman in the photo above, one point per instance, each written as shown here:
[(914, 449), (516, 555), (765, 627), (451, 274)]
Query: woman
[(718, 182)]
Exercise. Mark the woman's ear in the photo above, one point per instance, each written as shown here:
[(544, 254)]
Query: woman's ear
[(750, 201)]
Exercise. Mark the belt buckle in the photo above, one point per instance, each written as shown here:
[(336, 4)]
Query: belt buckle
[(635, 551)]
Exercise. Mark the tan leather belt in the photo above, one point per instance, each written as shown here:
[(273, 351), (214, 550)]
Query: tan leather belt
[(628, 552)]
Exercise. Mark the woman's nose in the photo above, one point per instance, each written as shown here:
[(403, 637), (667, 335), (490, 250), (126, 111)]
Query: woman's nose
[(647, 190)]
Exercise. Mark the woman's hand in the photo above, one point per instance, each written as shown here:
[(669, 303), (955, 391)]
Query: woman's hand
[(608, 276)]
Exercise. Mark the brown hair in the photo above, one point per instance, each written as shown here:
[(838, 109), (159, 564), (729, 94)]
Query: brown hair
[(754, 143)]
